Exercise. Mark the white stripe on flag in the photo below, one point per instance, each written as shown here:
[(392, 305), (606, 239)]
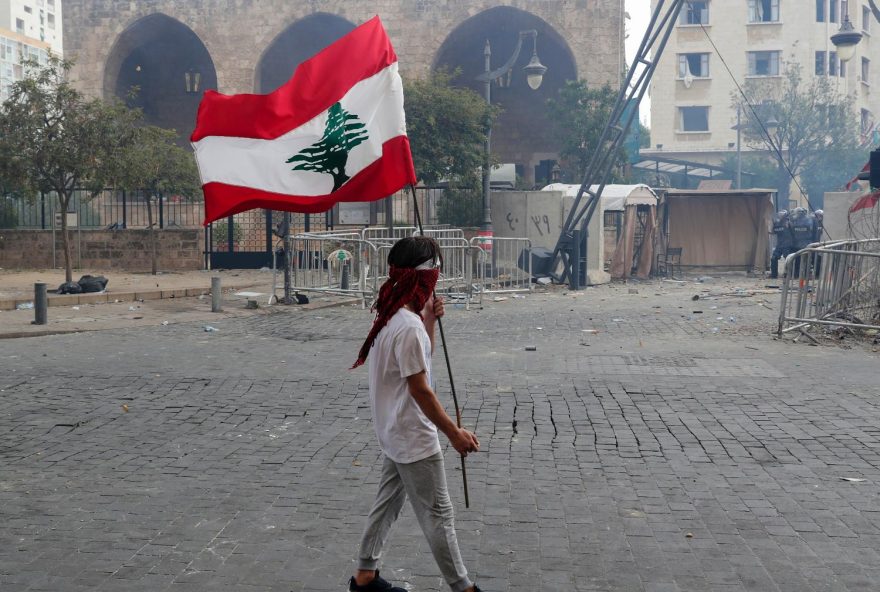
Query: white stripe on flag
[(261, 164)]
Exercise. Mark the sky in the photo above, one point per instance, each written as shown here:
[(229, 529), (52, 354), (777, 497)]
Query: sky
[(640, 13)]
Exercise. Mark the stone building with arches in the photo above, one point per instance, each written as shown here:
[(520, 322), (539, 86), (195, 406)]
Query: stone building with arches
[(172, 50)]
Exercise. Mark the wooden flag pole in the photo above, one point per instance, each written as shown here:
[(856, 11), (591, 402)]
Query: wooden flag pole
[(467, 503)]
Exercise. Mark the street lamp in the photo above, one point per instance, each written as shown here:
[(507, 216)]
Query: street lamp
[(534, 71), (771, 125), (738, 128), (847, 38)]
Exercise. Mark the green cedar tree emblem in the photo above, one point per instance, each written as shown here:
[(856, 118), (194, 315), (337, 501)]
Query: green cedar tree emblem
[(330, 154)]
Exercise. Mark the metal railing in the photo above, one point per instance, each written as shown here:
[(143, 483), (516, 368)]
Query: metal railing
[(108, 209), (346, 263), (502, 264), (341, 264), (832, 284)]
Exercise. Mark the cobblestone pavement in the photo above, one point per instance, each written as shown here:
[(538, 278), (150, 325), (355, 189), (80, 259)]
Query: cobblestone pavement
[(672, 450)]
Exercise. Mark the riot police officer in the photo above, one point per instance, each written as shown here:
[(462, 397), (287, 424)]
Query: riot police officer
[(819, 229), (782, 231), (819, 225), (803, 229)]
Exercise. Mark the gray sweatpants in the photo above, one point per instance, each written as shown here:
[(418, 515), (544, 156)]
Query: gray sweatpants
[(424, 481)]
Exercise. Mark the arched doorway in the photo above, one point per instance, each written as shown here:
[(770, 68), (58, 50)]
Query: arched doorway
[(523, 133), (161, 66), (294, 45)]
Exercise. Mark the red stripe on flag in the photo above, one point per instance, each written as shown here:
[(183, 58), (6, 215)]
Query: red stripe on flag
[(855, 179), (866, 201), (380, 179), (317, 84)]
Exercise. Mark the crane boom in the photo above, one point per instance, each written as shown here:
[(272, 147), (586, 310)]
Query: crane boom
[(570, 250)]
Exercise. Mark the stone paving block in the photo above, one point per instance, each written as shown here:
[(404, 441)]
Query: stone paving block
[(233, 470)]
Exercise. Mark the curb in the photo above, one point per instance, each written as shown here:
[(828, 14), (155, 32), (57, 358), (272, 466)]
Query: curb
[(276, 309), (105, 297)]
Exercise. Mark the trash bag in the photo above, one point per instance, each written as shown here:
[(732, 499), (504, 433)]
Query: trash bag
[(301, 298), (70, 288), (92, 283)]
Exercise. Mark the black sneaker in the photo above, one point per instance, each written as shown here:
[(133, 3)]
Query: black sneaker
[(376, 585)]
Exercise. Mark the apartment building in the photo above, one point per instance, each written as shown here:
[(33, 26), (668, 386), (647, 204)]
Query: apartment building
[(692, 114), (29, 29), (34, 19)]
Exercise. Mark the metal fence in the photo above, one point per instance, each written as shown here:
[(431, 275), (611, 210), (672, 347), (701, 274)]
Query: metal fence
[(128, 209), (108, 209), (501, 265), (354, 263), (832, 284)]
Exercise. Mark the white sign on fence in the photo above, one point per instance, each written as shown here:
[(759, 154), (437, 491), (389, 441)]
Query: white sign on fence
[(71, 219)]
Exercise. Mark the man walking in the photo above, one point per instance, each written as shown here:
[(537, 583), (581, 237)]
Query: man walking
[(407, 416)]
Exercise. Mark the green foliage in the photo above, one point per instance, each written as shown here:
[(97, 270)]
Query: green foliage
[(342, 134), (152, 161), (817, 134), (446, 128), (462, 204), (220, 234), (53, 138), (763, 168), (644, 136), (579, 114), (8, 213)]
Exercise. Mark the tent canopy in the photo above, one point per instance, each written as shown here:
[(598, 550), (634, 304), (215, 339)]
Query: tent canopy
[(614, 197), (719, 229)]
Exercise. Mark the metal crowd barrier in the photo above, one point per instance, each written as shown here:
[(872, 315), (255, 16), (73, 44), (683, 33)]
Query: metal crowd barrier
[(502, 265), (832, 284), (355, 263), (442, 233), (340, 264)]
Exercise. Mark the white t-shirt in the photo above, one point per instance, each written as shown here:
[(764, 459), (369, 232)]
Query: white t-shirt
[(401, 349)]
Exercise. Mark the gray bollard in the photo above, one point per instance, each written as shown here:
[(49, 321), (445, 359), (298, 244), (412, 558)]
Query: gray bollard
[(345, 280), (41, 304), (216, 295)]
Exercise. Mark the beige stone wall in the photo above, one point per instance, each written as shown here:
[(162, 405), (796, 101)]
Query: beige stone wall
[(237, 33), (103, 249)]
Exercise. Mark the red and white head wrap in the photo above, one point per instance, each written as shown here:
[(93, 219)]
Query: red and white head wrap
[(411, 286)]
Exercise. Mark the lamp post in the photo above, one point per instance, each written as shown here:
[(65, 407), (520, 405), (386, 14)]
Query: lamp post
[(847, 38), (771, 125), (738, 128), (534, 77)]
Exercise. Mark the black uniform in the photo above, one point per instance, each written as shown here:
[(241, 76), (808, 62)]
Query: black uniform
[(784, 242)]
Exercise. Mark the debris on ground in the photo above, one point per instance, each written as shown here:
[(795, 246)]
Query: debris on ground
[(24, 306), (209, 329)]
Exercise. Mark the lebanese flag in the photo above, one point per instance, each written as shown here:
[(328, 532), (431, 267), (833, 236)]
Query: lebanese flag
[(868, 200), (849, 186), (335, 132)]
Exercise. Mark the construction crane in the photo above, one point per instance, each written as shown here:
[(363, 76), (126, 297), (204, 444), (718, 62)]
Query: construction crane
[(571, 249)]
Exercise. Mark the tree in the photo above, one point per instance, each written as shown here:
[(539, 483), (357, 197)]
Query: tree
[(579, 115), (759, 170), (153, 162), (817, 133), (447, 128), (52, 138), (342, 134)]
